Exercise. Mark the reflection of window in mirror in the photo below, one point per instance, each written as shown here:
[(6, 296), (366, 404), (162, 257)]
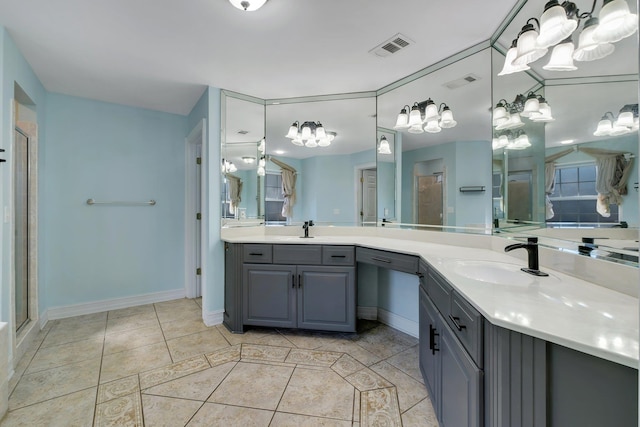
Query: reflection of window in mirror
[(574, 196), (273, 199)]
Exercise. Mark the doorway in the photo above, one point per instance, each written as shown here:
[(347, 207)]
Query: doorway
[(21, 181), (429, 199), (368, 192)]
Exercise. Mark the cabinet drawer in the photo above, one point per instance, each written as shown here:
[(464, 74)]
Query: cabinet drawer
[(297, 254), (392, 260), (423, 271), (257, 253), (466, 323), (338, 255), (440, 292)]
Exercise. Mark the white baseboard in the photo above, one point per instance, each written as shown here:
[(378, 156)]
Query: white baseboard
[(212, 318), (398, 322), (111, 304), (367, 313), (43, 319)]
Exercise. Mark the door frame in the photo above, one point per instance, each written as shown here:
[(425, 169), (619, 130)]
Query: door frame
[(197, 136), (357, 174)]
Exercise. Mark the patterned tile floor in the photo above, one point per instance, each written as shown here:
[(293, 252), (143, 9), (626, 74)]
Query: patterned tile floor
[(159, 365)]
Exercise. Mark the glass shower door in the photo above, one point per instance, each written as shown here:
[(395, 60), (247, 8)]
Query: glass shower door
[(21, 218)]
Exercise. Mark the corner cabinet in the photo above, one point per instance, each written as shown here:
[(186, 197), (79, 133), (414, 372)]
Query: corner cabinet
[(291, 286)]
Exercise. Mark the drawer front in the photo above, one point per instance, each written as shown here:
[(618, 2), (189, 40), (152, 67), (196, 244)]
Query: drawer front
[(440, 292), (297, 254), (338, 255), (392, 260), (466, 323), (257, 253)]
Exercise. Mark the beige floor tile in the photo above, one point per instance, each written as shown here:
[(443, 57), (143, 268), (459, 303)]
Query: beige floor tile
[(173, 371), (308, 339), (53, 357), (408, 362), (409, 390), (20, 368), (44, 385), (366, 379), (62, 334), (276, 340), (319, 394), (193, 311), (130, 339), (198, 343), (291, 420), (118, 388), (380, 408), (252, 336), (385, 342), (167, 411), (198, 301), (421, 415), (253, 385), (264, 352), (229, 354), (312, 357), (72, 410), (347, 365), (212, 414), (78, 320), (182, 327), (363, 356), (356, 406), (131, 311), (122, 411), (198, 386), (125, 363), (128, 323)]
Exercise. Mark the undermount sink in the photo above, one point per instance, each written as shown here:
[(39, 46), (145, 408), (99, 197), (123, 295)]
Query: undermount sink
[(498, 273)]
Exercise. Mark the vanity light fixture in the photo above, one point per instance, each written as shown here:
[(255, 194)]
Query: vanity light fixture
[(555, 27), (507, 116), (262, 163), (310, 134), (248, 160), (247, 5), (425, 116), (509, 140), (383, 147), (228, 167), (626, 122)]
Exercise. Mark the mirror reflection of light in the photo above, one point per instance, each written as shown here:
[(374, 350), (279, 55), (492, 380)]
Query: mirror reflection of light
[(607, 315), (581, 304), (279, 151), (514, 318), (618, 343), (602, 342)]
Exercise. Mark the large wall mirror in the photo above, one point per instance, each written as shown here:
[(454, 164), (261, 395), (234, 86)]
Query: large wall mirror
[(444, 167), (556, 188)]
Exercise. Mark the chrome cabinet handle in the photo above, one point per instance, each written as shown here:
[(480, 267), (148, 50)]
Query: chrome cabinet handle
[(456, 323), (293, 280), (299, 281)]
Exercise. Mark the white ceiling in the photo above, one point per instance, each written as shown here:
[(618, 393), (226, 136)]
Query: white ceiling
[(160, 54)]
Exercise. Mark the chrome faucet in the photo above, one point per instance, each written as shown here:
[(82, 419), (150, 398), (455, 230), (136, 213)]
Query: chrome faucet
[(305, 227), (532, 252)]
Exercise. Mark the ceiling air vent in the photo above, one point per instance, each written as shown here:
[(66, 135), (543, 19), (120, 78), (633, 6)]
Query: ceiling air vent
[(455, 84), (391, 46), (243, 132)]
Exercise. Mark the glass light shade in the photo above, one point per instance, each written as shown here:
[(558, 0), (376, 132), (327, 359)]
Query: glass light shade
[(531, 106), (588, 49), (311, 143), (545, 114), (561, 58), (262, 163), (232, 167), (298, 140), (306, 132), (249, 160), (432, 126), (384, 148), (555, 26), (604, 128), (447, 121), (528, 50), (293, 131), (324, 142), (320, 133), (520, 143), (402, 122), (616, 22), (431, 112), (503, 141), (499, 113), (619, 130), (494, 144), (261, 171), (261, 146), (625, 119), (636, 124), (331, 136), (416, 128), (509, 67), (514, 122), (415, 117), (247, 5)]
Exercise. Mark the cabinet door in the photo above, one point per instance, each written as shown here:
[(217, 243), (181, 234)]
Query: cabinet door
[(429, 331), (461, 382), (269, 295), (326, 298)]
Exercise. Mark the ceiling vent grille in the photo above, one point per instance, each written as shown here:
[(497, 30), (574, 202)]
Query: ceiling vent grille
[(243, 132), (463, 81), (391, 46)]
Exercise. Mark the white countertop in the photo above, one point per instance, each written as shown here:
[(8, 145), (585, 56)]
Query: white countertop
[(560, 308)]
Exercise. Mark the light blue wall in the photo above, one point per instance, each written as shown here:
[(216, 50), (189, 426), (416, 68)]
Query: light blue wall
[(15, 69), (398, 293), (386, 182), (111, 152)]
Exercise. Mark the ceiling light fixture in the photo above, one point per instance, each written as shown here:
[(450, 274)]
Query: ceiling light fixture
[(509, 140), (310, 134), (248, 160), (626, 122), (247, 5), (383, 147), (426, 113)]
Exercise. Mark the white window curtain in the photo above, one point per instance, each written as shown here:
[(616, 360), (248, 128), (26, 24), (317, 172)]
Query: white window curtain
[(550, 179), (288, 186), (235, 190), (613, 171)]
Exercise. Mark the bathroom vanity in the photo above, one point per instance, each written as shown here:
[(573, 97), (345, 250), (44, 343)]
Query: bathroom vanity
[(498, 347)]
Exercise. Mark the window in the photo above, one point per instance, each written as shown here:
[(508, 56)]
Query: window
[(574, 196), (274, 199)]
